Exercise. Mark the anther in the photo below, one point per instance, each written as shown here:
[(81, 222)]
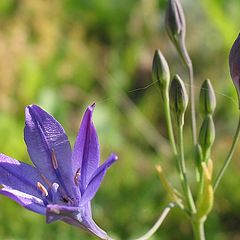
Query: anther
[(42, 189), (46, 180), (54, 160), (76, 178)]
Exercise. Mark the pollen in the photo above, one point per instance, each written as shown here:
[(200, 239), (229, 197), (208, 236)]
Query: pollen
[(76, 178), (42, 189), (54, 160)]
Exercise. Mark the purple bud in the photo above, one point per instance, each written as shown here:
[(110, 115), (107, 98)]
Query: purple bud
[(175, 21), (234, 64)]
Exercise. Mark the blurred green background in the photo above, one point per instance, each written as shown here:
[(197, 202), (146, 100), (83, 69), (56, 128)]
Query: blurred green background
[(65, 55)]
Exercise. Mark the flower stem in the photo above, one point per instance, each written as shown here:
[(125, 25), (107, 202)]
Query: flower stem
[(181, 48), (192, 102), (169, 122), (229, 157), (183, 175), (198, 230), (158, 222)]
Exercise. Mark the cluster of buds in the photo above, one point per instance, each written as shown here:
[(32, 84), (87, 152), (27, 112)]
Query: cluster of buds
[(207, 105), (178, 98), (204, 165), (175, 99)]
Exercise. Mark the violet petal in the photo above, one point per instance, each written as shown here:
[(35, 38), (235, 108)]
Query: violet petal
[(234, 63), (49, 148), (19, 176), (86, 149), (96, 180), (84, 220), (56, 212), (28, 201), (91, 225)]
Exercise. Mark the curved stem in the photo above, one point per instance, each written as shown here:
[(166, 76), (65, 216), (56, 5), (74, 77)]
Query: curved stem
[(186, 187), (229, 157), (198, 230), (158, 223)]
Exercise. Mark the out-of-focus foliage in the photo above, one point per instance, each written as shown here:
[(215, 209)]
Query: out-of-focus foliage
[(65, 55)]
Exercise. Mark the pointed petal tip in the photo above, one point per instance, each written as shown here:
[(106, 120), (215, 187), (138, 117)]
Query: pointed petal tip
[(91, 107), (114, 156), (27, 109), (32, 106)]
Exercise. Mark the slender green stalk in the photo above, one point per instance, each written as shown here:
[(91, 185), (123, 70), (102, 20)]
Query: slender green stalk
[(169, 122), (181, 48), (158, 222), (185, 185), (229, 157), (171, 135), (198, 230), (192, 102)]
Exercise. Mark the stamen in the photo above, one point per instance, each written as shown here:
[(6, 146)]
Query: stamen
[(76, 178), (46, 180), (54, 160), (42, 189)]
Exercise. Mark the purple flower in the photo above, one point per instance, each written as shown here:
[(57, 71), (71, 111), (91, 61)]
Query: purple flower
[(234, 64), (63, 182)]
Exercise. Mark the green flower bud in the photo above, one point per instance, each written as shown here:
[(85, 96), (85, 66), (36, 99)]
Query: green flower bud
[(207, 99), (178, 99), (207, 134), (175, 21), (160, 71)]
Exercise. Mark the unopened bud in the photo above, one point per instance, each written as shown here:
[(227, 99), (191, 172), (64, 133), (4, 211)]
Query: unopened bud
[(234, 64), (207, 99), (207, 134), (160, 71), (175, 21), (178, 99)]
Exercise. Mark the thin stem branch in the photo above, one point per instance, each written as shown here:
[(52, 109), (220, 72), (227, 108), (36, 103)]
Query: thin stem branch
[(169, 122), (158, 222), (229, 157), (186, 187), (181, 48), (192, 102)]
